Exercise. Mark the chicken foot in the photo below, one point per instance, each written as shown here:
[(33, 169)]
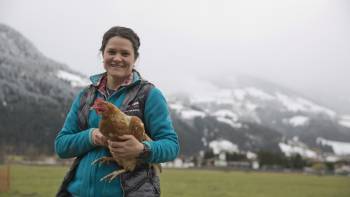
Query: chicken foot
[(103, 160), (112, 175)]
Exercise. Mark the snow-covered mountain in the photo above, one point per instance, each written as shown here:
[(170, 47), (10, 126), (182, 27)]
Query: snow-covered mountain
[(35, 94), (246, 113)]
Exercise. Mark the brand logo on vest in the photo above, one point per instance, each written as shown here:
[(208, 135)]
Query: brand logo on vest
[(135, 103), (133, 108)]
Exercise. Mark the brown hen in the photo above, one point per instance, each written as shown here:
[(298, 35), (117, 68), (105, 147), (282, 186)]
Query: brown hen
[(115, 123)]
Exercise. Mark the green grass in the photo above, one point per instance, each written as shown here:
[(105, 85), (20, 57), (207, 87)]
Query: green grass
[(44, 180), (30, 181), (244, 184)]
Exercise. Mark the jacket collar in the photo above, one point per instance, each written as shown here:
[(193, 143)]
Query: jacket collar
[(100, 80)]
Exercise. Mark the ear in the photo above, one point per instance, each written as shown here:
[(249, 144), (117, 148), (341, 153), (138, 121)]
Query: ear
[(102, 60), (136, 62)]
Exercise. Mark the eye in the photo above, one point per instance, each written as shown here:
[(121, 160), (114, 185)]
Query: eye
[(111, 52), (125, 53)]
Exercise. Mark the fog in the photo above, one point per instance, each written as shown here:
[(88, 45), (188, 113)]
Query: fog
[(301, 44)]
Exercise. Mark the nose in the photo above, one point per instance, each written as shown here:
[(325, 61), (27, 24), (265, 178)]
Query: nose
[(117, 58)]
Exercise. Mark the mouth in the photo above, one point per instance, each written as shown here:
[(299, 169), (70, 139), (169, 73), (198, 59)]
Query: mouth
[(114, 65)]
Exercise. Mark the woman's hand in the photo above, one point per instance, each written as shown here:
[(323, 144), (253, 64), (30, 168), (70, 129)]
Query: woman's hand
[(127, 147), (98, 139)]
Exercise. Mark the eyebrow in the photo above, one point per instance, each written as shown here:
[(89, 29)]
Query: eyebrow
[(122, 50)]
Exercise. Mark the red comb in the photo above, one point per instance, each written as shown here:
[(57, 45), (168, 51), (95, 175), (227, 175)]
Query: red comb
[(99, 100), (97, 105)]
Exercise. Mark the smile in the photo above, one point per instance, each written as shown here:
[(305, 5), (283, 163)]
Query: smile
[(116, 66)]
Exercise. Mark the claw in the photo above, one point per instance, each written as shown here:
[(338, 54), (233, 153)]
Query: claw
[(113, 175), (103, 160)]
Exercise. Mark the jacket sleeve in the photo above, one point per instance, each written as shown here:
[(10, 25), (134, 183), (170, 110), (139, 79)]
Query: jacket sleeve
[(70, 141), (165, 146)]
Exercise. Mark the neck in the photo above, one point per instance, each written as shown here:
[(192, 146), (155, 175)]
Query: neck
[(114, 83)]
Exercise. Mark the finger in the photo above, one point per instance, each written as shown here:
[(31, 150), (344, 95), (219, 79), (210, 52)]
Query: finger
[(114, 144), (117, 151), (102, 142), (112, 149), (103, 138), (115, 139), (105, 142), (98, 134), (97, 141), (126, 137)]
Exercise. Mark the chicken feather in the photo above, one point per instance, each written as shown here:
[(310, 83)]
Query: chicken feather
[(115, 123)]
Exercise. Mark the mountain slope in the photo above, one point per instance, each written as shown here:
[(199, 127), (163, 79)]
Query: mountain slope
[(255, 114), (34, 96)]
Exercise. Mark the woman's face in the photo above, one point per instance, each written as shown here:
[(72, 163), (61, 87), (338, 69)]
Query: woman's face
[(118, 57)]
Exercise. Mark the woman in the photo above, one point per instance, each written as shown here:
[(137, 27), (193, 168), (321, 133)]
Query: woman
[(119, 51)]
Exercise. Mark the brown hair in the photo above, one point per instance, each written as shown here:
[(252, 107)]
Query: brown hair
[(123, 32)]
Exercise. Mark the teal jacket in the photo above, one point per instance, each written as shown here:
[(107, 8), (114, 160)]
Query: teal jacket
[(71, 142)]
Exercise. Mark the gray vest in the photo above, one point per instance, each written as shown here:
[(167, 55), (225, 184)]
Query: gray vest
[(143, 181)]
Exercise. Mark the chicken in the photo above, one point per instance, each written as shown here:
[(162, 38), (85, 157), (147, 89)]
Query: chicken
[(115, 123)]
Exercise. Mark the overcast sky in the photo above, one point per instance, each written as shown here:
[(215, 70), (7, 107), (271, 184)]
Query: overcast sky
[(304, 44)]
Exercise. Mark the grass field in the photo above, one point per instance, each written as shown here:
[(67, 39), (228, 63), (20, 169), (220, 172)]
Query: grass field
[(43, 181)]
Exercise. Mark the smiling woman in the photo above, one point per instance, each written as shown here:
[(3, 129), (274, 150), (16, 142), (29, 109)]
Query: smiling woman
[(119, 59), (117, 85)]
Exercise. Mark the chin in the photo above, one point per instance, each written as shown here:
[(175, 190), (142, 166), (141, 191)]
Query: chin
[(117, 74)]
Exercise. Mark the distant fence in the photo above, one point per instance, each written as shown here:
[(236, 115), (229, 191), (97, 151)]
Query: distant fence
[(5, 178)]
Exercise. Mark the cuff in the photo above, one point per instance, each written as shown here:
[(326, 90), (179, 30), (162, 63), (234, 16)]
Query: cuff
[(150, 154), (90, 136)]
